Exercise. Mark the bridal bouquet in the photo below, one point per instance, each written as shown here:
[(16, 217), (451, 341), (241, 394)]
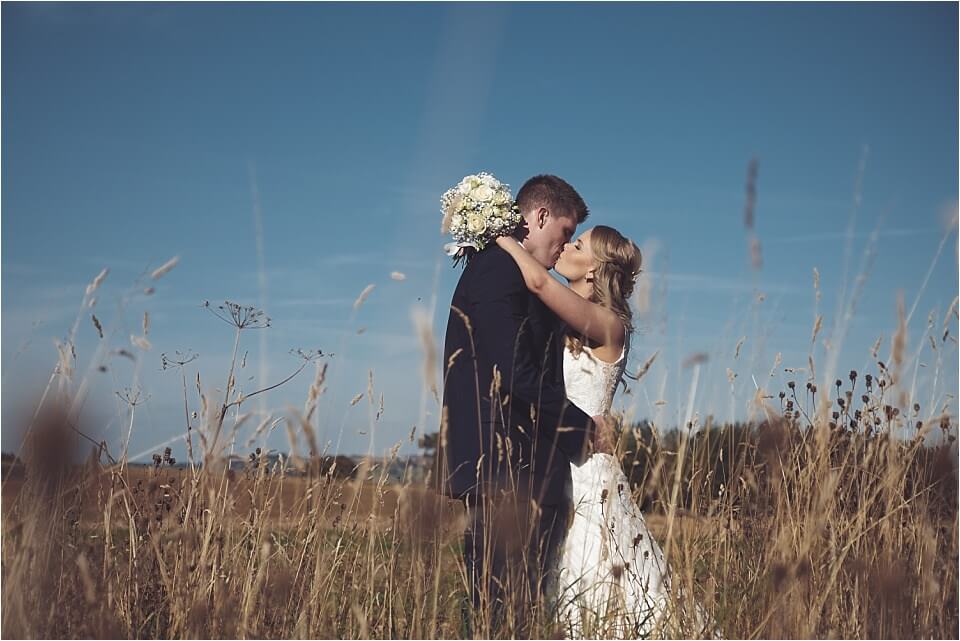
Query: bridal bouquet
[(476, 211)]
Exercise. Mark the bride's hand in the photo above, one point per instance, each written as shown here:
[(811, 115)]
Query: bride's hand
[(505, 242), (604, 441)]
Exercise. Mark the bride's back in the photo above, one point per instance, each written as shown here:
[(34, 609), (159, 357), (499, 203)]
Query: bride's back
[(591, 382)]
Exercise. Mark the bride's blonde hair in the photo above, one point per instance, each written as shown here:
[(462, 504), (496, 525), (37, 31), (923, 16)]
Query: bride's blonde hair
[(618, 263)]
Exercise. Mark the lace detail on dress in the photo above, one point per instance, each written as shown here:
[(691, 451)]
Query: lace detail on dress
[(591, 382), (612, 572)]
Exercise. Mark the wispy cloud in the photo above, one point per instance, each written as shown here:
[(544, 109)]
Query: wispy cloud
[(323, 265), (828, 236), (310, 302), (67, 294), (689, 282), (23, 269), (371, 258)]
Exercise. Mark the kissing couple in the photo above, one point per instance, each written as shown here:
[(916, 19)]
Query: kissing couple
[(531, 367)]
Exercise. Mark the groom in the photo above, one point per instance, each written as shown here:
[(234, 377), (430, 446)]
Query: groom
[(508, 433)]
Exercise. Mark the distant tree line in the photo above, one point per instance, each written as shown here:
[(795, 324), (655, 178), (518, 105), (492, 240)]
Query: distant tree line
[(746, 457)]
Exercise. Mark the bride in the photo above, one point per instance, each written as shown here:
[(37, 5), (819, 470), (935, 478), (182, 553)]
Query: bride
[(612, 578)]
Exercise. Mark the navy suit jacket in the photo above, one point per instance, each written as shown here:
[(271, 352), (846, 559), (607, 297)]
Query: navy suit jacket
[(507, 424)]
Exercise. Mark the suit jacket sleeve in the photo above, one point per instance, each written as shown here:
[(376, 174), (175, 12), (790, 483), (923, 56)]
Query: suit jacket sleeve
[(503, 339)]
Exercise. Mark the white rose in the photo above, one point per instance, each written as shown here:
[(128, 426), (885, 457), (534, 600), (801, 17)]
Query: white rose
[(476, 223), (501, 198), (482, 194), (464, 187)]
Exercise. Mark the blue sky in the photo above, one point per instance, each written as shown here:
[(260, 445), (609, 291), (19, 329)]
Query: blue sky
[(134, 133)]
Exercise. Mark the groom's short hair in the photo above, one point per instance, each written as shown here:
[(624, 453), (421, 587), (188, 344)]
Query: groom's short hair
[(554, 193)]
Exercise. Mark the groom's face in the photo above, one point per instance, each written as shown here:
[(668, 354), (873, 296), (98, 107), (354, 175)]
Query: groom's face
[(548, 235)]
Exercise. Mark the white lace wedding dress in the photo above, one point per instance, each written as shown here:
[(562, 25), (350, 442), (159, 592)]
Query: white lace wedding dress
[(613, 578)]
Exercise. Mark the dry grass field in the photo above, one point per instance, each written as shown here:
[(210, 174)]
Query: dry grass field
[(821, 535), (820, 520), (378, 504)]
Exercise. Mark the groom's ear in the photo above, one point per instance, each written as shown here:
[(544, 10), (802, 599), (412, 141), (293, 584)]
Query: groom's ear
[(542, 214)]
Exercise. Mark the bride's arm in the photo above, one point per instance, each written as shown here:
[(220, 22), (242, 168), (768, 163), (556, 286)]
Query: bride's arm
[(594, 321)]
